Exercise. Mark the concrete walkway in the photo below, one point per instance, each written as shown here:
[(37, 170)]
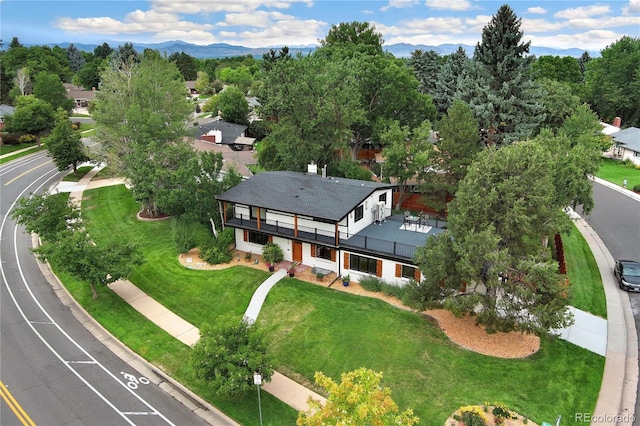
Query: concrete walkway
[(618, 343), (283, 388), (258, 298)]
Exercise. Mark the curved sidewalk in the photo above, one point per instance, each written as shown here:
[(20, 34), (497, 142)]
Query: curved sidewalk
[(619, 384)]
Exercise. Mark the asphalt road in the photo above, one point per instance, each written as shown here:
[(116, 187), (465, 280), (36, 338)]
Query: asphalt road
[(616, 220), (52, 369)]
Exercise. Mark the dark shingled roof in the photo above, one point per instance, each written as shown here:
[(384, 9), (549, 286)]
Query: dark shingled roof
[(311, 195)]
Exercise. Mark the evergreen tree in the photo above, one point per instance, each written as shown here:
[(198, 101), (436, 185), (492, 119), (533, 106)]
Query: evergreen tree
[(103, 51), (582, 63), (426, 67), (511, 107), (76, 60), (448, 80)]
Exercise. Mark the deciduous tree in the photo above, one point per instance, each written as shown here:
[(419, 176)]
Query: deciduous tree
[(232, 104), (228, 353), (47, 214), (48, 87), (359, 399), (32, 116), (406, 154), (64, 144), (97, 264), (613, 82)]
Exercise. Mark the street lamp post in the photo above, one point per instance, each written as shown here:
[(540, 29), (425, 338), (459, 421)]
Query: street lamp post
[(257, 380)]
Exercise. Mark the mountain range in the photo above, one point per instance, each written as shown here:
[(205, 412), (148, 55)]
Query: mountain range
[(223, 50)]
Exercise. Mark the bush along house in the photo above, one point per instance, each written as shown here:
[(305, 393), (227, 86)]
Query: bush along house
[(335, 225)]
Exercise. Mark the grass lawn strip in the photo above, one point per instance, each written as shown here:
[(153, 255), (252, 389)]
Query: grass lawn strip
[(317, 329)]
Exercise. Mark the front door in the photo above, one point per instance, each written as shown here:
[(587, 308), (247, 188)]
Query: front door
[(297, 251)]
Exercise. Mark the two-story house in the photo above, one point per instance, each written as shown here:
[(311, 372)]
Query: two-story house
[(333, 224)]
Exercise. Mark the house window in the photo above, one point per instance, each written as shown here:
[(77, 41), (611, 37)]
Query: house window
[(359, 214), (363, 264), (258, 238), (254, 213), (408, 272), (383, 198), (324, 252)]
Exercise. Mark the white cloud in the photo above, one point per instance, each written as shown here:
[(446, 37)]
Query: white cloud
[(583, 12), (211, 6), (399, 4), (476, 24), (537, 9), (134, 22), (285, 33), (611, 22), (449, 4), (428, 25), (589, 40), (632, 8), (539, 26)]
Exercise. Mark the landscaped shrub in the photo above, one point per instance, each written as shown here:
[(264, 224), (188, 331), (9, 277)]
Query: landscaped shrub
[(371, 283), (27, 138), (272, 253), (473, 416), (183, 234), (218, 250), (10, 138), (501, 410), (636, 188)]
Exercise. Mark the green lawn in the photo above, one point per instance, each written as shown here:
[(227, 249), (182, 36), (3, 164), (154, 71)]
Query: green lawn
[(6, 149), (615, 171), (584, 276), (312, 328)]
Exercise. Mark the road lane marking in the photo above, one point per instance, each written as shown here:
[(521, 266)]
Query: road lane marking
[(15, 407), (26, 173), (56, 354)]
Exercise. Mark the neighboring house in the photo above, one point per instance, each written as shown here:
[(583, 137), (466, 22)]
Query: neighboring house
[(238, 160), (336, 225), (191, 87), (80, 96), (627, 144), (230, 134), (4, 111)]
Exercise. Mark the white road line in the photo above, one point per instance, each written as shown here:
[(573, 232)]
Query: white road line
[(53, 351)]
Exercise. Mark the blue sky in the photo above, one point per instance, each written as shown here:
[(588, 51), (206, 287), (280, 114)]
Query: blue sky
[(589, 25)]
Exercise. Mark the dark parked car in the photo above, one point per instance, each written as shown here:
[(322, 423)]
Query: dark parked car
[(628, 274)]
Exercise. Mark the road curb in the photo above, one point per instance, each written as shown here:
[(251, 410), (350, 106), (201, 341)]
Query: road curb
[(182, 394), (616, 400)]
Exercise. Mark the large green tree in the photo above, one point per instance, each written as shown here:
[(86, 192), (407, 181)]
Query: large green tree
[(426, 67), (505, 209), (406, 155), (228, 353), (313, 101), (48, 87), (64, 144), (141, 110), (560, 101), (98, 264), (613, 82), (447, 82), (48, 215), (232, 105), (32, 115), (504, 97), (457, 146), (354, 33)]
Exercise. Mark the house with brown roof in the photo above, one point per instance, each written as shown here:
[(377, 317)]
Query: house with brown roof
[(79, 95)]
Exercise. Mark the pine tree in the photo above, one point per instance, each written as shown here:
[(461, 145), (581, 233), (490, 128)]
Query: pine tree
[(448, 80), (511, 109), (426, 66)]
